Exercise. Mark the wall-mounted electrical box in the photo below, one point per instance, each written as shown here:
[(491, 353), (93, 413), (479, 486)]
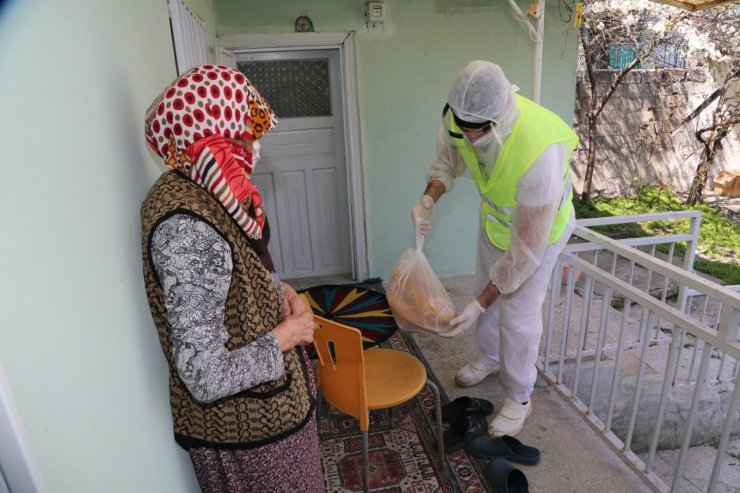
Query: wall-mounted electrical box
[(374, 16)]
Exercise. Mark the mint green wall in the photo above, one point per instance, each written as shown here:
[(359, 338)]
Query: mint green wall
[(76, 339), (404, 74)]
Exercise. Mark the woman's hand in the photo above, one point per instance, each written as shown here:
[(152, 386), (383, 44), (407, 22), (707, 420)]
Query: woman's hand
[(294, 330), (292, 303)]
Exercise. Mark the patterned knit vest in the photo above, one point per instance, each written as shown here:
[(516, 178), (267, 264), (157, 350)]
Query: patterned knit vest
[(254, 417)]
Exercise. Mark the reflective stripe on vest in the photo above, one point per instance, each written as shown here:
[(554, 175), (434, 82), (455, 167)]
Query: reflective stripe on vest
[(535, 129)]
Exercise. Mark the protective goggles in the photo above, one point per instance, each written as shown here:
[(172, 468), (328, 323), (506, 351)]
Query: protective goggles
[(470, 129)]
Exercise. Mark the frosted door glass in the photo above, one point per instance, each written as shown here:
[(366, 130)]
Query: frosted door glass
[(294, 88)]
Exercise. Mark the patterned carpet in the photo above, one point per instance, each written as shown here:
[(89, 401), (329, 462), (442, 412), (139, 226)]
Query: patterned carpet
[(403, 451)]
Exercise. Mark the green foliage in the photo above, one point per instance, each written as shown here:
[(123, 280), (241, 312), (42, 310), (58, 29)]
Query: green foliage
[(719, 238)]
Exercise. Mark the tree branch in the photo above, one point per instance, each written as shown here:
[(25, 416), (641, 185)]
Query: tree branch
[(615, 83), (638, 59), (589, 70), (717, 93)]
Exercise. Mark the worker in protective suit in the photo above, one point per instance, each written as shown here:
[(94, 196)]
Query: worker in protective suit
[(517, 152)]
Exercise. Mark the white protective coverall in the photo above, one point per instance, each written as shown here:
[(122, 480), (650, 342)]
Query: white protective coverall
[(509, 331)]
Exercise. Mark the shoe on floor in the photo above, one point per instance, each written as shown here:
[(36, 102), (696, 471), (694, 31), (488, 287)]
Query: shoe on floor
[(462, 431), (466, 406), (475, 372), (506, 478), (507, 447), (510, 419)]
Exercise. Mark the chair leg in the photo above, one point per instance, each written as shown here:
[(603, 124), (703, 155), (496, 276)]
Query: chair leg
[(366, 461), (438, 416)]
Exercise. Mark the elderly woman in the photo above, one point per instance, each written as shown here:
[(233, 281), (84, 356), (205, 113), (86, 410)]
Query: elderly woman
[(241, 389)]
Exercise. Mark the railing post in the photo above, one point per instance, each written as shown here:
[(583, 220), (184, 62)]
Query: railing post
[(688, 259), (728, 324)]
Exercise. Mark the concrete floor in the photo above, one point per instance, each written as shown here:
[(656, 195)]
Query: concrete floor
[(574, 458)]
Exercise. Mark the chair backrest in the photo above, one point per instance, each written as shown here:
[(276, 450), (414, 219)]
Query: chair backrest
[(342, 368)]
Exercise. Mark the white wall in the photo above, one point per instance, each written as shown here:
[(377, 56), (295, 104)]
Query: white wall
[(76, 338)]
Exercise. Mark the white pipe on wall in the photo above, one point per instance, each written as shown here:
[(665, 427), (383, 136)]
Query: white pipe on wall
[(522, 17), (537, 33), (539, 45)]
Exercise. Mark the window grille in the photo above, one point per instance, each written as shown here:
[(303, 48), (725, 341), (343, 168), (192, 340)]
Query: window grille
[(294, 88), (670, 53), (620, 56)]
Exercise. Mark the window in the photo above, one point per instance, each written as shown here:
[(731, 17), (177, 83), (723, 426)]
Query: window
[(294, 88)]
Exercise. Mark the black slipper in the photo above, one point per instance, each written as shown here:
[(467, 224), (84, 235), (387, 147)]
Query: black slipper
[(466, 406), (505, 478), (507, 447), (463, 430)]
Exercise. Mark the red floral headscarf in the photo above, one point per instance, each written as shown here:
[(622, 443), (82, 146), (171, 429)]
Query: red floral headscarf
[(188, 126)]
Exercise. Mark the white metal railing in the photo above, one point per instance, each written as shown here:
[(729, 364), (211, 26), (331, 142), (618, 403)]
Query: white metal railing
[(224, 57), (709, 312), (637, 336), (189, 34)]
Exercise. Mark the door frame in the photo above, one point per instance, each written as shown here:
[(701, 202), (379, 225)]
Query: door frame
[(345, 43)]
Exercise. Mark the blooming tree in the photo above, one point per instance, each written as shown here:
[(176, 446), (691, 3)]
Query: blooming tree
[(713, 39), (634, 26)]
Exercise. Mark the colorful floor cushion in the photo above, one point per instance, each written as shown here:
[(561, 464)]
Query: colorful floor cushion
[(362, 308)]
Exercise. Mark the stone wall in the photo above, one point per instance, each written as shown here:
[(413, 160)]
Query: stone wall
[(637, 140)]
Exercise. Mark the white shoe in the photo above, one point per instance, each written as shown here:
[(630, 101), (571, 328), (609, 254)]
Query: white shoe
[(475, 372), (510, 419)]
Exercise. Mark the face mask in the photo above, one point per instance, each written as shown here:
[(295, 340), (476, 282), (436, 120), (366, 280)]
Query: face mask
[(483, 140), (256, 153), (496, 136), (248, 159)]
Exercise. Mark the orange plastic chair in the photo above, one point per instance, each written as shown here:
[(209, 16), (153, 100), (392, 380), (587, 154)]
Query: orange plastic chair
[(356, 381)]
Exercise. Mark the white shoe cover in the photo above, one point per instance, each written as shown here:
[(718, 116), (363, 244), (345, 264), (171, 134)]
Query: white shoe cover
[(510, 419), (475, 372)]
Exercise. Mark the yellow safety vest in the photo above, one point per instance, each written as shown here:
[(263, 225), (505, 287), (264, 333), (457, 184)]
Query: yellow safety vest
[(535, 129)]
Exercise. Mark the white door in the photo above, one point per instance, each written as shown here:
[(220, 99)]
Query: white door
[(302, 173)]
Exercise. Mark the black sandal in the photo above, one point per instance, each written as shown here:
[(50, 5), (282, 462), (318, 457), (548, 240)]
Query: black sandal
[(463, 431), (466, 406)]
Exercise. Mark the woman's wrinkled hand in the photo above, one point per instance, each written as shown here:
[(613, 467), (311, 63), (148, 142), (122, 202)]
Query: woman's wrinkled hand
[(295, 330), (292, 303)]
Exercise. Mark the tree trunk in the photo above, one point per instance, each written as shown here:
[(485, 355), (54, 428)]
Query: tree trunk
[(721, 123), (591, 159), (712, 145)]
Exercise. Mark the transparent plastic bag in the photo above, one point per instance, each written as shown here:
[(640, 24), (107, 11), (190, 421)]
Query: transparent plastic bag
[(416, 295)]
